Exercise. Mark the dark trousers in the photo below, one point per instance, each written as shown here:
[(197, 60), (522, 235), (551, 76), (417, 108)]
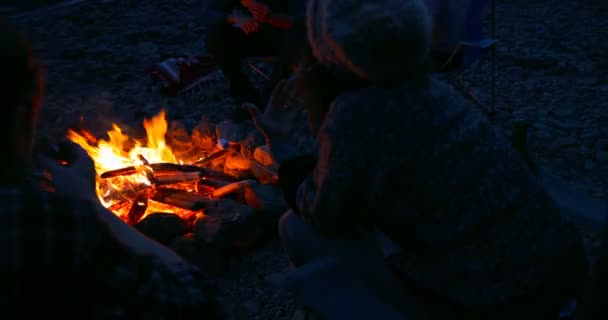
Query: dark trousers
[(364, 266), (229, 46), (304, 244)]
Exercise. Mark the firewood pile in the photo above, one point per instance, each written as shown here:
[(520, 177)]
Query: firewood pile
[(216, 185)]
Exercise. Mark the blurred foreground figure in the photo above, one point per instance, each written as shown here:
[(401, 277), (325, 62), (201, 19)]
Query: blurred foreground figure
[(411, 174), (63, 251)]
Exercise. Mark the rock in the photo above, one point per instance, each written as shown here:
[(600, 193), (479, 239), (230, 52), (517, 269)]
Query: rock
[(179, 139), (263, 155), (268, 199), (203, 135), (253, 140), (235, 161), (238, 166), (162, 226), (262, 174), (230, 131), (228, 223), (210, 259)]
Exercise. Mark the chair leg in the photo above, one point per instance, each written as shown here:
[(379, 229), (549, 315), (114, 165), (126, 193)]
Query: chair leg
[(258, 71)]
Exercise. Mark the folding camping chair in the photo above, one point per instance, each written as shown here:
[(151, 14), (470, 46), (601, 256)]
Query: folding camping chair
[(471, 47)]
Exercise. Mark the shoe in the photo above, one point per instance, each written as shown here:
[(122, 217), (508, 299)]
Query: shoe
[(178, 74)]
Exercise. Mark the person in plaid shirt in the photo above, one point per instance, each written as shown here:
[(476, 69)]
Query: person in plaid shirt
[(62, 253)]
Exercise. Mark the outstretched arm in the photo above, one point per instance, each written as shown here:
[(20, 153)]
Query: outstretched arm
[(72, 254), (334, 197)]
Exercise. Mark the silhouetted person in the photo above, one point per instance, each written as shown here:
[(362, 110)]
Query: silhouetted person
[(262, 28), (407, 159), (61, 253)]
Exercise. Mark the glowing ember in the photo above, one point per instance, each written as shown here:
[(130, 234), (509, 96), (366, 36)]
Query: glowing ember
[(121, 151)]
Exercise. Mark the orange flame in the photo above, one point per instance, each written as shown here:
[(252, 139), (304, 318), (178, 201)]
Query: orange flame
[(121, 151)]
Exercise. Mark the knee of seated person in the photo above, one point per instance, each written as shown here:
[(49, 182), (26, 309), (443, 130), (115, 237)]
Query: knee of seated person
[(299, 239), (296, 234), (288, 226)]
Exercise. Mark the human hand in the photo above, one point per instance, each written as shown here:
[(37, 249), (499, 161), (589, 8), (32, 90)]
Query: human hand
[(250, 27), (136, 241), (247, 24), (259, 10), (279, 118), (76, 178)]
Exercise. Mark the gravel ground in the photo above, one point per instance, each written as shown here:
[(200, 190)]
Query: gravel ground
[(549, 61)]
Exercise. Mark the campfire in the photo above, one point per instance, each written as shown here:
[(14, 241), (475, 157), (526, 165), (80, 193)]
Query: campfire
[(138, 177)]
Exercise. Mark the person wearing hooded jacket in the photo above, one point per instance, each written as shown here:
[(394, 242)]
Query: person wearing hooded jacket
[(407, 157)]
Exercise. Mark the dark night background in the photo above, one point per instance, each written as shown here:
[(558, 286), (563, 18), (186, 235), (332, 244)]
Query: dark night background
[(551, 64)]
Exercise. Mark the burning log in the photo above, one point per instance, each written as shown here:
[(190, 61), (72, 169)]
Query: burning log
[(138, 209), (182, 199), (230, 188), (167, 168), (272, 174), (119, 205), (212, 157), (213, 183), (177, 177)]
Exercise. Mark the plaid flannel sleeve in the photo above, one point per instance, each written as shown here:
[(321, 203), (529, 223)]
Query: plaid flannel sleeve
[(58, 249)]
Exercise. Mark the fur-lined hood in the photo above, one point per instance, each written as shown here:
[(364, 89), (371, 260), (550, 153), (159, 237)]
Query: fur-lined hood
[(378, 40)]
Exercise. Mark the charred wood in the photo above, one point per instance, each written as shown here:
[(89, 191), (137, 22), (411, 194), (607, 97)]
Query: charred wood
[(176, 177), (182, 199), (214, 156), (166, 168), (138, 208), (231, 188), (119, 205)]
